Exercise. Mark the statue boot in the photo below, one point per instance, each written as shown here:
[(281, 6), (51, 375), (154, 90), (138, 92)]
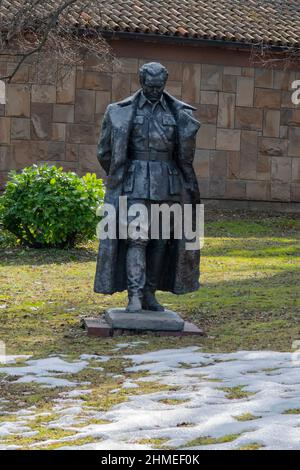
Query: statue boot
[(135, 267), (155, 258)]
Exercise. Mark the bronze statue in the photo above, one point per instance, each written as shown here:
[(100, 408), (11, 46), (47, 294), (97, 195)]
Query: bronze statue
[(146, 148)]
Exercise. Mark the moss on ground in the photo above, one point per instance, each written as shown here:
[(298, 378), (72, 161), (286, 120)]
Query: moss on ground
[(207, 440), (292, 411), (236, 393), (155, 443), (252, 446), (246, 417)]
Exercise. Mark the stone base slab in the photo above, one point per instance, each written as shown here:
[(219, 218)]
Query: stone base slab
[(98, 327), (120, 318)]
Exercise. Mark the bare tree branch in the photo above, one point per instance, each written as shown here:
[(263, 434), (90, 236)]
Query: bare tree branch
[(59, 30)]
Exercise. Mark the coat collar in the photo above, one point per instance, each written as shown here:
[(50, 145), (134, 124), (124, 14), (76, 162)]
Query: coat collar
[(143, 100), (176, 103)]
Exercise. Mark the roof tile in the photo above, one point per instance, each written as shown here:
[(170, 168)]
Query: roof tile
[(249, 21)]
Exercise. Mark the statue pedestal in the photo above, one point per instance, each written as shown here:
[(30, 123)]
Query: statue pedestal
[(167, 320), (117, 321)]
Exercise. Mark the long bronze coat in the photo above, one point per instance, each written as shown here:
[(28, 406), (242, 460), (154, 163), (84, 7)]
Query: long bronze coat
[(181, 268)]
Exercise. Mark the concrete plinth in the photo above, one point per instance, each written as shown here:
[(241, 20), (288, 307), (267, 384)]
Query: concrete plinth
[(146, 320), (98, 327)]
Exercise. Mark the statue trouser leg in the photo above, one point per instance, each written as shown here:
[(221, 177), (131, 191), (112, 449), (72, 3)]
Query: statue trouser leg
[(136, 273), (155, 259)]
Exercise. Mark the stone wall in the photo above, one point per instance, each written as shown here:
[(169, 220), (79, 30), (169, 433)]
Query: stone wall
[(248, 147)]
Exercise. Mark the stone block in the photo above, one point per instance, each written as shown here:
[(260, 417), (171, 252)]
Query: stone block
[(295, 192), (267, 98), (20, 128), (248, 157), (280, 191), (294, 142), (212, 77), (120, 86), (233, 164), (126, 65), (174, 88), (3, 179), (92, 80), (283, 79), (6, 160), (134, 83), (257, 190), (72, 152), (229, 83), (207, 113), (88, 160), (201, 163), (296, 170), (281, 169), (271, 123), (59, 131), (56, 151), (216, 188), (206, 137), (290, 117), (264, 78), (232, 70), (248, 72), (286, 99), (26, 152), (82, 134), (63, 113), (235, 189), (4, 130), (43, 93), (17, 100), (248, 118), (218, 164), (226, 110), (66, 85), (272, 146), (283, 132), (244, 91), (21, 75), (85, 106), (174, 69), (209, 97), (41, 121), (263, 168), (203, 187), (191, 78), (228, 139)]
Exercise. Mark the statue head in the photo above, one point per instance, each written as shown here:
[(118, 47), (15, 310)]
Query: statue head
[(153, 78)]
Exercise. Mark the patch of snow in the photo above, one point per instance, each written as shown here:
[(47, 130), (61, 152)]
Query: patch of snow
[(88, 357), (197, 404), (129, 384), (46, 371), (7, 359)]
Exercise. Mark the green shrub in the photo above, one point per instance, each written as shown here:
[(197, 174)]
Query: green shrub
[(43, 206)]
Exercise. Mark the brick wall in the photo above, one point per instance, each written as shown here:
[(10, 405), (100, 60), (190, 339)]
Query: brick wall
[(248, 147)]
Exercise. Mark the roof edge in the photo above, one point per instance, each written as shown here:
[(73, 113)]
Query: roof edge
[(188, 40)]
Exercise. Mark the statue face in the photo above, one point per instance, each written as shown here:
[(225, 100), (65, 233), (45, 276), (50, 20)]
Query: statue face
[(153, 86)]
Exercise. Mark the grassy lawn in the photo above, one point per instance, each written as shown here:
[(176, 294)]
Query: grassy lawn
[(249, 298)]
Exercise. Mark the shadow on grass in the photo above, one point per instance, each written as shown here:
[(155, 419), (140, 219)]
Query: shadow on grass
[(30, 256)]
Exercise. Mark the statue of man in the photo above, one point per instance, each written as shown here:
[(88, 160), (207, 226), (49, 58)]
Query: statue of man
[(146, 148)]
